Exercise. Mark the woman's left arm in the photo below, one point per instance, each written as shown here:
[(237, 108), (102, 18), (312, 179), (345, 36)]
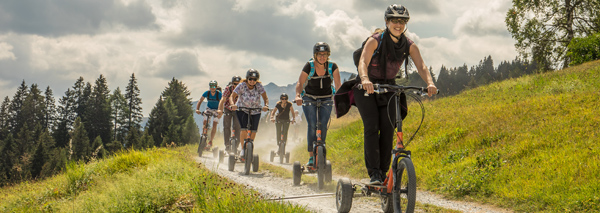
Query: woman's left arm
[(415, 54), (265, 98)]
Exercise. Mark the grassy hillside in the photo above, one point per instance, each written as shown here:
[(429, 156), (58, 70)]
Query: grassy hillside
[(528, 144), (158, 180)]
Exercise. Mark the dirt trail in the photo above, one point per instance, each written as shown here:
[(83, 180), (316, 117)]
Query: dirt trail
[(274, 187)]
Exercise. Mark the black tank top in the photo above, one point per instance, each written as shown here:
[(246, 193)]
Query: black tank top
[(284, 114)]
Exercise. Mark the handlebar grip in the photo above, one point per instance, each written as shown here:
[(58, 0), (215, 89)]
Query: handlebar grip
[(437, 91)]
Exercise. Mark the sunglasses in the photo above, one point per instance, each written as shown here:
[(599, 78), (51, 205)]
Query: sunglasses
[(284, 99), (398, 21), (322, 54), (252, 79)]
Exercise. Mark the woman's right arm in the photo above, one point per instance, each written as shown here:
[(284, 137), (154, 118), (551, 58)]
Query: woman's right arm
[(300, 87), (363, 64)]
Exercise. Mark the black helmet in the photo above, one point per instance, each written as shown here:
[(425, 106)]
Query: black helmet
[(396, 11), (213, 83), (283, 95), (236, 78), (321, 47), (252, 73)]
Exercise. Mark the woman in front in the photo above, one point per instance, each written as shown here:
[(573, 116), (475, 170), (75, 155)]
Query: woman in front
[(248, 95), (316, 83), (382, 67)]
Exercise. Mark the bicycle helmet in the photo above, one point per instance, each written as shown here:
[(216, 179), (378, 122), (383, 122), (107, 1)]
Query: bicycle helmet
[(321, 47), (283, 95), (213, 84), (396, 11), (236, 78), (252, 73)]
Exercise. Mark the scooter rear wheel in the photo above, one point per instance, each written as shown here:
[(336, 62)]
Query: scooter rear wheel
[(343, 195), (297, 170)]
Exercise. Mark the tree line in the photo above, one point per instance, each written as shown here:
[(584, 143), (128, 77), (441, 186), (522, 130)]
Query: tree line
[(451, 81), (39, 135)]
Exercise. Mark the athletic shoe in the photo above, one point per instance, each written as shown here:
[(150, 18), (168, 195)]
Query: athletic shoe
[(375, 179), (311, 161)]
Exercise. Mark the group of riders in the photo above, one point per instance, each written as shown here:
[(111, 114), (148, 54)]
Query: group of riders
[(379, 63)]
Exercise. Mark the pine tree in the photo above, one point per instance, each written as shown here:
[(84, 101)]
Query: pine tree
[(16, 120), (157, 122), (26, 144), (56, 163), (99, 112), (178, 95), (4, 119), (134, 140), (33, 108), (80, 144), (81, 95), (147, 140), (119, 115), (134, 102), (7, 161), (66, 117), (191, 131), (48, 146), (38, 161), (49, 110)]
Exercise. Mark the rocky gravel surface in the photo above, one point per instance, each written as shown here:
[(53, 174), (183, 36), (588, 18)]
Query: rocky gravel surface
[(316, 200)]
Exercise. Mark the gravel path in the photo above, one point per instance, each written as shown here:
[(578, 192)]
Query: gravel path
[(274, 187)]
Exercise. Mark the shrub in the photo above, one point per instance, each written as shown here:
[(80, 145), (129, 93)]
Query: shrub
[(585, 49)]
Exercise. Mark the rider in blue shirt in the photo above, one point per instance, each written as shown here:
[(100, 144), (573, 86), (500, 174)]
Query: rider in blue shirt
[(213, 96)]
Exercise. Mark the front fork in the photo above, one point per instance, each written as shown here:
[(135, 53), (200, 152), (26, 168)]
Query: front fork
[(398, 152), (205, 128), (248, 139)]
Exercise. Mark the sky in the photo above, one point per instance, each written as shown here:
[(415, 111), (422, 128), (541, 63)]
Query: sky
[(54, 42)]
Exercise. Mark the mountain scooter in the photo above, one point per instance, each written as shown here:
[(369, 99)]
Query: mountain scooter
[(399, 189), (202, 145), (233, 145), (249, 159), (321, 166), (281, 153)]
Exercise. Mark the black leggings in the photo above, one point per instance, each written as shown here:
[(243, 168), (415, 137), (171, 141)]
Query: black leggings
[(378, 130), (282, 128), (230, 119)]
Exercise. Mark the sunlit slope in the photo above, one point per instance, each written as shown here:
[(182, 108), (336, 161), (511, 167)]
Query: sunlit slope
[(529, 144), (155, 180)]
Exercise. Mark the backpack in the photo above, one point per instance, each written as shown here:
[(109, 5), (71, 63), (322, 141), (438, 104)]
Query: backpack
[(217, 94), (358, 52), (312, 72)]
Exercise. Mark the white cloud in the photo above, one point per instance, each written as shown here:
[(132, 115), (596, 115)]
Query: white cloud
[(438, 51), (198, 41), (6, 52), (483, 21), (341, 31), (177, 63)]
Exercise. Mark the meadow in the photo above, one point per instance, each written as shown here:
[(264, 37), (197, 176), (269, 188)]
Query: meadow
[(155, 180)]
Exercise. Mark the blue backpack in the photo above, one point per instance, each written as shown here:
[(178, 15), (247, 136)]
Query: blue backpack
[(312, 72)]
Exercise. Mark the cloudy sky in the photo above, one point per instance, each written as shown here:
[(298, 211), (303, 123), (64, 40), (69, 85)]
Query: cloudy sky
[(54, 42)]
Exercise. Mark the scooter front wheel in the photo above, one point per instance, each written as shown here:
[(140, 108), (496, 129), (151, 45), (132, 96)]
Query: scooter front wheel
[(405, 187)]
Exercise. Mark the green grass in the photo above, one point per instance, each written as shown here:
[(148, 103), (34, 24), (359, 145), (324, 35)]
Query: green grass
[(157, 180), (528, 144)]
